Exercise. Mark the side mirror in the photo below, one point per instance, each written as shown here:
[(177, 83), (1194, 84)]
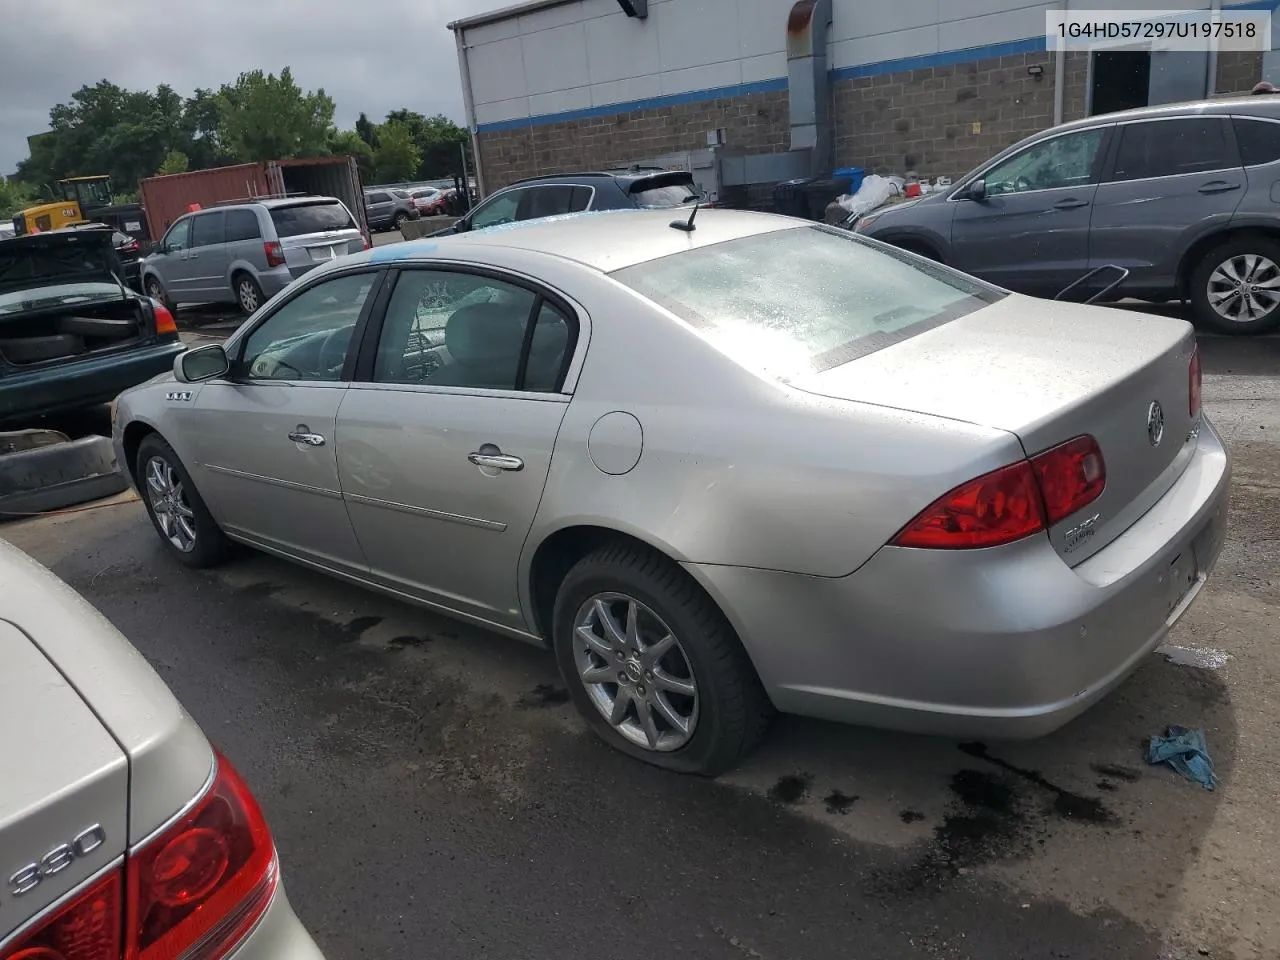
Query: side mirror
[(978, 190), (153, 247), (462, 226), (202, 363)]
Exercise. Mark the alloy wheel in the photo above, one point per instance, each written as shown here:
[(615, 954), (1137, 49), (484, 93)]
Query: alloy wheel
[(635, 672), (1244, 288), (169, 505), (248, 296)]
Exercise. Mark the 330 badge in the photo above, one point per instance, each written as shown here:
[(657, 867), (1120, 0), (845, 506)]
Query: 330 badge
[(56, 860)]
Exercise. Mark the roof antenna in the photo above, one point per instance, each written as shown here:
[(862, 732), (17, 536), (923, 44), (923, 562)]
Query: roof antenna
[(687, 226)]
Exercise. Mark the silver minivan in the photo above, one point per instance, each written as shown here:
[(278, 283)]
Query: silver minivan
[(245, 253)]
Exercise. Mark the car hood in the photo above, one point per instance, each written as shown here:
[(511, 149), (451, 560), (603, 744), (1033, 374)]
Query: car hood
[(57, 257)]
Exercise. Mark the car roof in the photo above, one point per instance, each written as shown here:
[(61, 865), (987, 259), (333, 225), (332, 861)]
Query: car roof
[(1246, 105), (605, 240), (624, 178)]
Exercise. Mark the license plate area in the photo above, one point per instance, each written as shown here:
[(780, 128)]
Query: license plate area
[(1182, 581)]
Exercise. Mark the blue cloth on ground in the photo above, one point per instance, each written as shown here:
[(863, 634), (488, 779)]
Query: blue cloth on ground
[(1185, 751)]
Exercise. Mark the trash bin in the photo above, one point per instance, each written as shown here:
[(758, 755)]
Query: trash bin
[(789, 198), (820, 192), (855, 176)]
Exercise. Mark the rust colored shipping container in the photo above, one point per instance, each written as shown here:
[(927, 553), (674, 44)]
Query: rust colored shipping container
[(165, 199)]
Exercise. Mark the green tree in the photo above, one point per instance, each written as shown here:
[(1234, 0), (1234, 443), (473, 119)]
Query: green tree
[(439, 142), (15, 196), (265, 117), (397, 156), (174, 162), (367, 130), (349, 143)]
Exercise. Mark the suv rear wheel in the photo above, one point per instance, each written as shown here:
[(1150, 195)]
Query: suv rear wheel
[(1236, 286), (248, 293)]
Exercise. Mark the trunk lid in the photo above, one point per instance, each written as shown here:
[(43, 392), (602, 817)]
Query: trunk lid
[(1049, 372), (314, 232), (57, 257), (65, 779)]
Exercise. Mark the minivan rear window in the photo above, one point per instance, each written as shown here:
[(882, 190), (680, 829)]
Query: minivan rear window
[(294, 221), (802, 300)]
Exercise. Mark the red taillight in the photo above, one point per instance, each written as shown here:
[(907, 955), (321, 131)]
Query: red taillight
[(1194, 382), (164, 319), (1013, 502), (87, 928), (1070, 476), (196, 889), (274, 252), (132, 247), (998, 507)]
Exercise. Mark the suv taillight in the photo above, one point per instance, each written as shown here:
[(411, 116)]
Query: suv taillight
[(86, 928), (1195, 383), (198, 888), (1013, 502), (274, 252), (193, 891)]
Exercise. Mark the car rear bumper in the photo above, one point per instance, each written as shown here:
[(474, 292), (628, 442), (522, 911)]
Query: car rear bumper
[(1007, 642), (276, 279), (82, 383), (279, 935)]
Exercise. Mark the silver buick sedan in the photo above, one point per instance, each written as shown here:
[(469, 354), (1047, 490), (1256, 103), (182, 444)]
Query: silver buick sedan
[(122, 832), (723, 465)]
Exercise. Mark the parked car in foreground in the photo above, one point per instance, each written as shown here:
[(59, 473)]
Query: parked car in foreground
[(72, 334), (1179, 195), (122, 832), (795, 469), (245, 253), (556, 195), (388, 209)]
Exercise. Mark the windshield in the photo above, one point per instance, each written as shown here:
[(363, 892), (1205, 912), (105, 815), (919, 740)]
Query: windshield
[(61, 295), (803, 300), (311, 218), (671, 195)]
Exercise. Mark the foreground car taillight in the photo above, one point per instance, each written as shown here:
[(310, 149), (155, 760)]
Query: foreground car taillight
[(195, 890), (1013, 502), (164, 319), (1195, 384), (192, 892), (86, 928)]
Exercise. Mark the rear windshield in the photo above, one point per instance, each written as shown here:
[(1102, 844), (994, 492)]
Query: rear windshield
[(803, 300), (668, 195), (311, 218)]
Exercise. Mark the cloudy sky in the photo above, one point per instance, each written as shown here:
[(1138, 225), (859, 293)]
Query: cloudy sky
[(374, 56)]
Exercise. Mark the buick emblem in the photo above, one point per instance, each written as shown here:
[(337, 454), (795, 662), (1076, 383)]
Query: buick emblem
[(1155, 423)]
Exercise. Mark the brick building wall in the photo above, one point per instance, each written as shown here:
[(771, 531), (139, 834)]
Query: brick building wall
[(938, 121), (757, 123)]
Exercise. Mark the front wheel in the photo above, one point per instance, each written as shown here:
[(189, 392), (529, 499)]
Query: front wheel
[(183, 522), (652, 664), (1236, 287)]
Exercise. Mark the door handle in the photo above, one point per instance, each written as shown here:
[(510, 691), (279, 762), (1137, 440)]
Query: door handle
[(1070, 204), (497, 461), (304, 435), (1219, 186)]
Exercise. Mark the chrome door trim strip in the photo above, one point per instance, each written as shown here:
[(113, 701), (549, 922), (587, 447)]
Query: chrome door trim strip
[(275, 482), (493, 525)]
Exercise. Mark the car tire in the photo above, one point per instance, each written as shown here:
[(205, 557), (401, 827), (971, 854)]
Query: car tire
[(1253, 260), (186, 528), (400, 220), (728, 713), (155, 290), (248, 293)]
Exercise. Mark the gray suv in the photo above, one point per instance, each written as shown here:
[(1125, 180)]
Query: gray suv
[(245, 253), (388, 209), (1186, 197)]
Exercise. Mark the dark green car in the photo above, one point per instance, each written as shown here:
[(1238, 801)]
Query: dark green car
[(72, 333)]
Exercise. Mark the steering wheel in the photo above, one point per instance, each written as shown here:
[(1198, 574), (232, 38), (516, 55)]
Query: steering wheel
[(333, 352)]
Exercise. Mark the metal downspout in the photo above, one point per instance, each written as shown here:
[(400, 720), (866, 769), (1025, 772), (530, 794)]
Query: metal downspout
[(468, 104)]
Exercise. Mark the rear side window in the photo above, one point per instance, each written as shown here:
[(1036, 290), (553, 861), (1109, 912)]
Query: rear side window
[(310, 218), (1166, 148), (206, 229), (581, 199), (1259, 141), (803, 300), (242, 225)]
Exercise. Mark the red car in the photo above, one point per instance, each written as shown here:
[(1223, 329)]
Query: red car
[(429, 201)]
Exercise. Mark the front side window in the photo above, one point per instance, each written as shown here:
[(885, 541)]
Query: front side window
[(177, 237), (501, 209), (308, 337), (462, 330), (1166, 148), (549, 201), (1067, 161), (802, 300)]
